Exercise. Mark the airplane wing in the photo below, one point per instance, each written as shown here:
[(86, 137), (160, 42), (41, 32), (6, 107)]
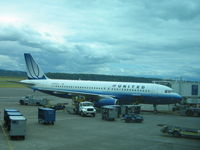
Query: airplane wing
[(70, 93), (94, 97)]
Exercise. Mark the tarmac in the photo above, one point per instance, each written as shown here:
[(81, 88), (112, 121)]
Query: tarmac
[(73, 132)]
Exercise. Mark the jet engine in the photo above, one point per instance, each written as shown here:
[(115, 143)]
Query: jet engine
[(106, 101)]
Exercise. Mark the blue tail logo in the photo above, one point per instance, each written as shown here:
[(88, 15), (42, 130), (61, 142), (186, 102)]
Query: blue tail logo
[(33, 70)]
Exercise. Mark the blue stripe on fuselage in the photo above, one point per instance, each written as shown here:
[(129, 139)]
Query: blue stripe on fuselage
[(128, 98)]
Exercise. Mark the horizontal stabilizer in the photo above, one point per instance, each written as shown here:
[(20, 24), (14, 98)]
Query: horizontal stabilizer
[(19, 82)]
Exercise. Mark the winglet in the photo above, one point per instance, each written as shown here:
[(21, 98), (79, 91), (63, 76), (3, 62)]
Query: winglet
[(33, 69)]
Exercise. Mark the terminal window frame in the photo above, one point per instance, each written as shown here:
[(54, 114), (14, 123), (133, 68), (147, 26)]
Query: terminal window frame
[(194, 89)]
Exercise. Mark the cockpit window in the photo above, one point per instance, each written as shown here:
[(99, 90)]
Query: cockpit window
[(168, 91)]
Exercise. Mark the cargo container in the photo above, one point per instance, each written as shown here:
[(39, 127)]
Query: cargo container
[(46, 115), (17, 127), (6, 117), (11, 114), (130, 109), (109, 113)]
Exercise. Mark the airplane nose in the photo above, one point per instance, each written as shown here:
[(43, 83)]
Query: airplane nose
[(178, 98)]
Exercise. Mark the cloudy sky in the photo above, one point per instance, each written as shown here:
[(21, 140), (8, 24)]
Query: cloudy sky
[(147, 38)]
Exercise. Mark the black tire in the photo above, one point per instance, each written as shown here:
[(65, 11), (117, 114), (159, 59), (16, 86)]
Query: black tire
[(170, 133), (93, 115), (128, 120), (82, 114), (173, 109), (176, 134), (21, 102), (189, 113)]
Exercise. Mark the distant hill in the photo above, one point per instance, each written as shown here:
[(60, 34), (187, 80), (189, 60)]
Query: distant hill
[(95, 77), (12, 73), (98, 77)]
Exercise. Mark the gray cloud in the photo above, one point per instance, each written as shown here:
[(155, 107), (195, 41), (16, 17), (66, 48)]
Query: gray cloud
[(80, 56), (174, 9), (143, 38)]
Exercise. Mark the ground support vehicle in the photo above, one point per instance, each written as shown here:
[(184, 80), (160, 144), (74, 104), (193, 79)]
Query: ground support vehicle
[(190, 112), (187, 110), (131, 118), (180, 131), (30, 100), (82, 107), (59, 106), (86, 109)]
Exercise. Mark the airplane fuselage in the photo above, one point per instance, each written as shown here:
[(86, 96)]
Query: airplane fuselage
[(125, 92)]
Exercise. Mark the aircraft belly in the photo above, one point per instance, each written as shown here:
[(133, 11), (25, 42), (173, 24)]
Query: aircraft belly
[(159, 99), (147, 99)]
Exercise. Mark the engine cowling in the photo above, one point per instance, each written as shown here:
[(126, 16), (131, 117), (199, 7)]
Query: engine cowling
[(106, 101)]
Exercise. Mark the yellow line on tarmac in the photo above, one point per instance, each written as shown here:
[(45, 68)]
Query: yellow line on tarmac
[(10, 147)]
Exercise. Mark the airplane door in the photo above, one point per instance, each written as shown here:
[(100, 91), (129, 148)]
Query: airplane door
[(155, 90)]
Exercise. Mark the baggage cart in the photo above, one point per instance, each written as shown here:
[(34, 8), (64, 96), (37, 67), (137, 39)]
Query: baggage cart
[(46, 115), (177, 131), (131, 118)]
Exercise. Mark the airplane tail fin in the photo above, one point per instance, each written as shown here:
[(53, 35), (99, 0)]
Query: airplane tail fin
[(33, 69)]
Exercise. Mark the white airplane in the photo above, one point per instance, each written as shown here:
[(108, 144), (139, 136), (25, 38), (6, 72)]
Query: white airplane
[(102, 92)]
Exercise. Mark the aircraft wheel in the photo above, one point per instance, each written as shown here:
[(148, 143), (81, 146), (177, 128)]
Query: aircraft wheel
[(176, 134), (82, 114)]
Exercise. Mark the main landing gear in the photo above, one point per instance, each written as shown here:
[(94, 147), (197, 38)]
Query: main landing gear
[(155, 108)]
